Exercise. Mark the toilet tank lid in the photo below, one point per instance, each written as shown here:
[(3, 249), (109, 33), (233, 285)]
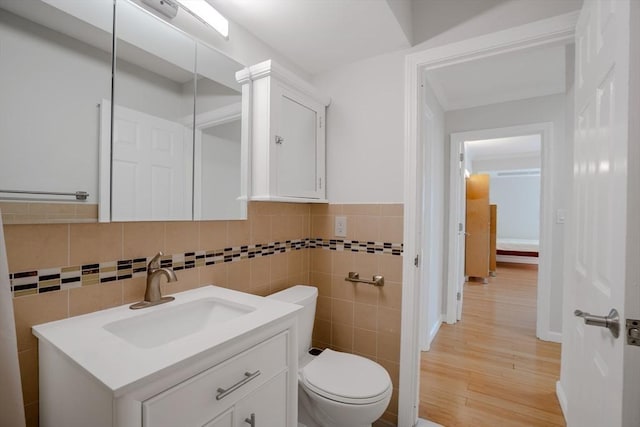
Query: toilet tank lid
[(298, 294)]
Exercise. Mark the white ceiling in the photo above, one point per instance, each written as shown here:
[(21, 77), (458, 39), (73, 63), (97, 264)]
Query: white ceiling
[(500, 78), (319, 35), (518, 146)]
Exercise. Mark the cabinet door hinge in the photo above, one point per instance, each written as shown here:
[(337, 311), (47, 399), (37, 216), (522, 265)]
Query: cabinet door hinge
[(320, 122), (462, 157), (458, 296), (416, 260), (320, 183)]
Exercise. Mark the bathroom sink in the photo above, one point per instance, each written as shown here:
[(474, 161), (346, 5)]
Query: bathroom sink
[(168, 323)]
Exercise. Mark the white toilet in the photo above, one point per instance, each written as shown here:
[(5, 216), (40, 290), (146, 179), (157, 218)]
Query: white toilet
[(335, 389)]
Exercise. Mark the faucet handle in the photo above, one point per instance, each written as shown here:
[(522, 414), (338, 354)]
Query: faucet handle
[(154, 264)]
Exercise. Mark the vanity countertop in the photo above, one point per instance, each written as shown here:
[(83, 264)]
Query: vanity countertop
[(118, 364)]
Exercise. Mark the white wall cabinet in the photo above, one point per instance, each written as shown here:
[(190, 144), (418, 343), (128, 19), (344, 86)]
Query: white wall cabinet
[(287, 127)]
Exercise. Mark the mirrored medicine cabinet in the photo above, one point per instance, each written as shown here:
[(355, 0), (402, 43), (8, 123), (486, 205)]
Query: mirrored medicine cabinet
[(161, 141)]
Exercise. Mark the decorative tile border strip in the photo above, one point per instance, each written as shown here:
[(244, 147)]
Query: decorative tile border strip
[(54, 279), (357, 246)]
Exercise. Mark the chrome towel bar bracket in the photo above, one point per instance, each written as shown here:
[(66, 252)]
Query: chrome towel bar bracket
[(355, 278)]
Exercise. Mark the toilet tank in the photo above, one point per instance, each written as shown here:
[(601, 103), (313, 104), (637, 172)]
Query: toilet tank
[(305, 296)]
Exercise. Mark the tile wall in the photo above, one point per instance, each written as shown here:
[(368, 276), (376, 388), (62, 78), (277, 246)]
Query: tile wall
[(48, 213), (360, 318), (354, 318)]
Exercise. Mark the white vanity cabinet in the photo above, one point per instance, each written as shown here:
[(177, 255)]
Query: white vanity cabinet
[(287, 128), (240, 374), (230, 384)]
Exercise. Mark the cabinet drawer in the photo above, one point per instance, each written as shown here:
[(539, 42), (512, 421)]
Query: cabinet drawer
[(266, 406), (200, 398)]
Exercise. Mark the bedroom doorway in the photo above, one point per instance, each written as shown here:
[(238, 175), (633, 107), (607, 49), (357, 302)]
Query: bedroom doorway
[(502, 206), (517, 162), (511, 168)]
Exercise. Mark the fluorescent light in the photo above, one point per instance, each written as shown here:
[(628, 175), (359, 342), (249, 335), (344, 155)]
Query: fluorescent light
[(207, 14)]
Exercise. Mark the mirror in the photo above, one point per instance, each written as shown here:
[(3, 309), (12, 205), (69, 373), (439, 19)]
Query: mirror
[(55, 116), (218, 184), (55, 68), (176, 151), (152, 144)]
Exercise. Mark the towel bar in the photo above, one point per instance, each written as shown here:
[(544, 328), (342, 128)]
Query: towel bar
[(79, 195), (355, 278)]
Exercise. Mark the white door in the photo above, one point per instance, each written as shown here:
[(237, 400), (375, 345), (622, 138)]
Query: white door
[(151, 168), (600, 262), (459, 209)]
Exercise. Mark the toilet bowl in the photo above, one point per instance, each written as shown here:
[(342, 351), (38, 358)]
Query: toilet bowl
[(335, 389)]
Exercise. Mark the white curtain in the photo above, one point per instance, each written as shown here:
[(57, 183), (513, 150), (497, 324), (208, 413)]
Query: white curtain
[(11, 406)]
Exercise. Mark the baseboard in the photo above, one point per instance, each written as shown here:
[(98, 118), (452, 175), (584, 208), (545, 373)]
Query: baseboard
[(552, 337), (432, 334), (562, 398), (434, 330), (517, 259)]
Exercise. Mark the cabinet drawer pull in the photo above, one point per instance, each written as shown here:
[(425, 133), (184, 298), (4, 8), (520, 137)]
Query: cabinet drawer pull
[(251, 421), (222, 393)]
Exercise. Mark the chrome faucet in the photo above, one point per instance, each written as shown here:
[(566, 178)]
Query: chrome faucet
[(152, 294)]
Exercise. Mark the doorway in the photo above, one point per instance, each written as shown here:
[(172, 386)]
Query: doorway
[(524, 150), (554, 31)]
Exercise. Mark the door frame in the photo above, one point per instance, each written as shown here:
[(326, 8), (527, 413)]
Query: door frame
[(555, 30), (425, 227), (545, 130)]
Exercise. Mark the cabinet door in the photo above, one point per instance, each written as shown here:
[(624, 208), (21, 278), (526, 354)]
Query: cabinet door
[(266, 406), (478, 223), (299, 146), (224, 420)]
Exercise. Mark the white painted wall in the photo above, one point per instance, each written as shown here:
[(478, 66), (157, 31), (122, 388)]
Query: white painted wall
[(508, 163), (365, 130), (518, 205), (534, 110)]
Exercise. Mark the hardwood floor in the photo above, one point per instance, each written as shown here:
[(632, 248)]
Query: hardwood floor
[(489, 369)]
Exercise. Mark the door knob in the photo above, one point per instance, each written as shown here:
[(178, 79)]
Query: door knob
[(610, 321)]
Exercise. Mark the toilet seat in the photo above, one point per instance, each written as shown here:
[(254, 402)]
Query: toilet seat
[(346, 378)]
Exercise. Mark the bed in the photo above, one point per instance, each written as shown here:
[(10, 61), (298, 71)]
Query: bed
[(517, 250)]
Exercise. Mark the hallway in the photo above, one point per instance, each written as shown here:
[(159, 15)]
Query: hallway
[(489, 369)]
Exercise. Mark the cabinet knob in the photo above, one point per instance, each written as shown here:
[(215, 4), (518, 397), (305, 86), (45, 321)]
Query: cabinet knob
[(251, 421), (279, 139)]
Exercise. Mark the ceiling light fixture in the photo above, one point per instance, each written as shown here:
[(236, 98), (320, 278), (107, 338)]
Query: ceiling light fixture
[(204, 12)]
